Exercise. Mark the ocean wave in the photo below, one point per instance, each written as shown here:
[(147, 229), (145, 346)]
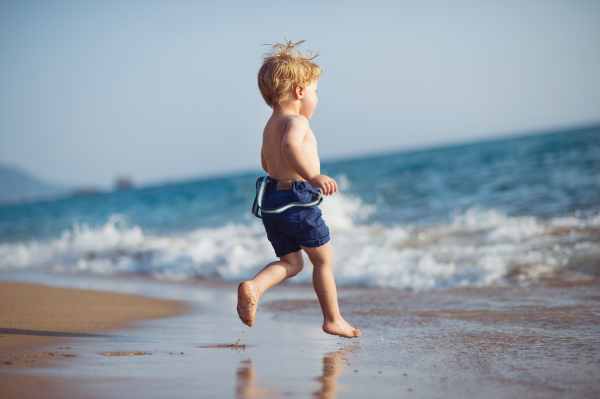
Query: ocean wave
[(479, 247)]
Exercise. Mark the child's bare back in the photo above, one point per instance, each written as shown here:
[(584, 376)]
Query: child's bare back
[(289, 155), (275, 137)]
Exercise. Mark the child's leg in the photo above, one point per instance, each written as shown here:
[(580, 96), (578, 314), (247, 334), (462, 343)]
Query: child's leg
[(275, 272), (322, 260)]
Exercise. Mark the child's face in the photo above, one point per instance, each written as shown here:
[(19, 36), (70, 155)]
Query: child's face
[(309, 100)]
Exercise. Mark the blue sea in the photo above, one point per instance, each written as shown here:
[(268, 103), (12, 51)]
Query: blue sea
[(497, 212)]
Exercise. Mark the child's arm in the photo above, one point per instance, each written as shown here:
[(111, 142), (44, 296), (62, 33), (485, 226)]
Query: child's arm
[(263, 161), (296, 130)]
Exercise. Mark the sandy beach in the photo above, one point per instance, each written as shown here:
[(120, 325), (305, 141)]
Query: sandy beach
[(533, 341), (39, 324), (33, 315)]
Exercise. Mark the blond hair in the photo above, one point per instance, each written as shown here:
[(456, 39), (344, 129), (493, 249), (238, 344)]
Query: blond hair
[(284, 68)]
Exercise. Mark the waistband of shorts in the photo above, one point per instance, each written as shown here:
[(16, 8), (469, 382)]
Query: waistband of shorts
[(269, 178), (296, 184)]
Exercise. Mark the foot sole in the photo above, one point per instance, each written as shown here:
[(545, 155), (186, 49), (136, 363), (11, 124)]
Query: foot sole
[(247, 303)]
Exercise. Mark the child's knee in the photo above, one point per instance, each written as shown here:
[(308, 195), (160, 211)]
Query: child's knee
[(298, 266), (322, 260), (320, 256), (322, 263), (296, 261), (296, 269)]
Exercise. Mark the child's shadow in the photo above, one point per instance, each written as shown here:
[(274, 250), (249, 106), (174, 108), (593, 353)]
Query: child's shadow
[(333, 366)]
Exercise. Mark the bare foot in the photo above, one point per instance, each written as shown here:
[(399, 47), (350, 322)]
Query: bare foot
[(341, 328), (247, 302)]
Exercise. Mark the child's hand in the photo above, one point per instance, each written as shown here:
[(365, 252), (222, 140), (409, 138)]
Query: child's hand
[(325, 183)]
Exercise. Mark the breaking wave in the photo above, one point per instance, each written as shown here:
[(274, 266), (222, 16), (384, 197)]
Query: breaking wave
[(478, 247)]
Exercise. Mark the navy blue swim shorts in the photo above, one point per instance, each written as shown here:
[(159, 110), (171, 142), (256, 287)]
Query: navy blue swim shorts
[(296, 226)]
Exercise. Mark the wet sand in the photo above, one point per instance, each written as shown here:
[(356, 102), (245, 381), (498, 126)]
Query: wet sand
[(39, 324), (539, 340)]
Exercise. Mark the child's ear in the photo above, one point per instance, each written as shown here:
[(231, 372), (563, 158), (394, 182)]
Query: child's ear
[(298, 92)]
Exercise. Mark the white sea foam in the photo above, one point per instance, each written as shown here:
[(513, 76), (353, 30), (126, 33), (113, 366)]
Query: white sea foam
[(479, 247)]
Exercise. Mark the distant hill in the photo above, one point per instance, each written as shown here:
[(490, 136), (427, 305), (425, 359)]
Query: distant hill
[(17, 186)]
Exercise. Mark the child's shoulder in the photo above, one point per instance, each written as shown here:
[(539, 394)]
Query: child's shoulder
[(295, 122), (285, 124)]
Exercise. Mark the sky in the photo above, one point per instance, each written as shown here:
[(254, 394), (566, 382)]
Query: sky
[(164, 91)]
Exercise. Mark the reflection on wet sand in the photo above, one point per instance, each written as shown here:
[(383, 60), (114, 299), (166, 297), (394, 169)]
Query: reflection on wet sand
[(245, 380), (333, 366)]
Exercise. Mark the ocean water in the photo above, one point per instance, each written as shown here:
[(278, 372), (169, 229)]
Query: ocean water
[(496, 212)]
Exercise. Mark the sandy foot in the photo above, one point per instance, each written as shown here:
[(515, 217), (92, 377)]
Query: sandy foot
[(247, 302), (341, 328)]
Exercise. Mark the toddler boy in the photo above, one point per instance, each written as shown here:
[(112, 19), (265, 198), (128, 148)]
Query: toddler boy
[(288, 83)]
